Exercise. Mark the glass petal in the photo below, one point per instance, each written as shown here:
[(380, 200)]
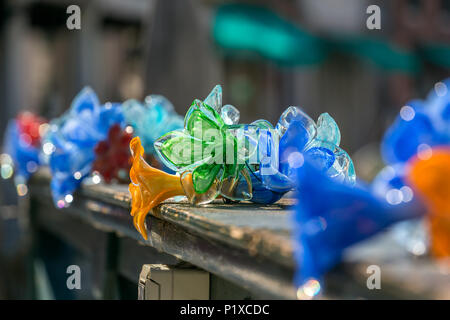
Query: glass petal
[(204, 176), (200, 112), (200, 126), (214, 99), (263, 124), (194, 197), (271, 177), (261, 194), (86, 99), (237, 188), (342, 169), (230, 114), (179, 151), (295, 113), (322, 158), (247, 140), (328, 130)]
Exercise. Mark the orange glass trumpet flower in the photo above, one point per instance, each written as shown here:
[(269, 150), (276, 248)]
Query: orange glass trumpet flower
[(429, 174), (149, 186)]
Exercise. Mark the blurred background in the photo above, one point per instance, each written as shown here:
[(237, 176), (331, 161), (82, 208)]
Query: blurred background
[(267, 55)]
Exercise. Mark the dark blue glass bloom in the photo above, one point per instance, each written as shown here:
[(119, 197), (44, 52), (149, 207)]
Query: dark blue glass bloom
[(70, 141), (411, 129), (269, 170), (292, 143), (438, 106), (390, 178), (420, 126), (331, 216)]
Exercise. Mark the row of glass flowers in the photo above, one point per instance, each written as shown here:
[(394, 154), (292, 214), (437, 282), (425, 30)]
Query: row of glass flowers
[(211, 154), (215, 156), (88, 140)]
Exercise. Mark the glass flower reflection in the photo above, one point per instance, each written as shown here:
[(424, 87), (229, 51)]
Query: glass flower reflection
[(69, 144)]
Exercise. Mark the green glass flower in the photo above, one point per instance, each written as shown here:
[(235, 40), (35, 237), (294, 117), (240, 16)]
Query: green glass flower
[(208, 149)]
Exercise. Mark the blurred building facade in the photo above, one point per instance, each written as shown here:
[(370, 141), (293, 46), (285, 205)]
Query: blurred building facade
[(128, 49)]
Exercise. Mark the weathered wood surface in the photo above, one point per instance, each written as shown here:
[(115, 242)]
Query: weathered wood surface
[(402, 274), (246, 244), (250, 248), (259, 229)]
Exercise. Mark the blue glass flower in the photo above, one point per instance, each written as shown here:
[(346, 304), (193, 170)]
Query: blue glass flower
[(419, 126), (331, 216), (20, 155), (151, 119), (296, 137), (413, 127), (70, 141)]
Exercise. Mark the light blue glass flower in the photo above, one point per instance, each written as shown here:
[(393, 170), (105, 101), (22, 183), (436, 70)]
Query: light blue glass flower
[(151, 119), (297, 137)]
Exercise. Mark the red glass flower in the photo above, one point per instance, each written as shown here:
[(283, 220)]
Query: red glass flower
[(30, 129), (113, 157)]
